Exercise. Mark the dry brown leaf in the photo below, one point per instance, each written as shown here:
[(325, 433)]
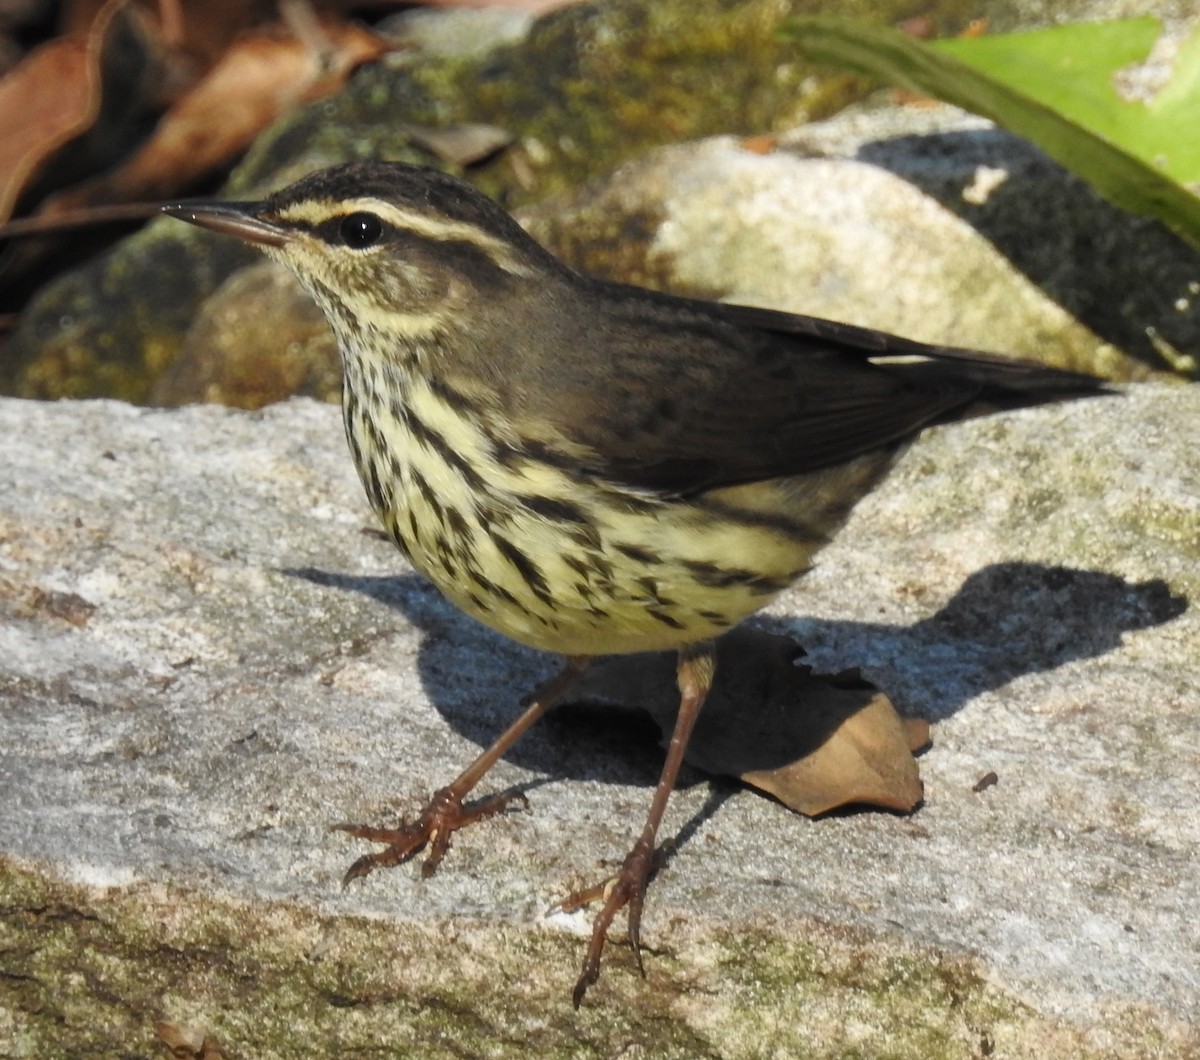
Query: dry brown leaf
[(49, 98), (762, 144), (187, 1043), (261, 76), (866, 759), (813, 741), (202, 28)]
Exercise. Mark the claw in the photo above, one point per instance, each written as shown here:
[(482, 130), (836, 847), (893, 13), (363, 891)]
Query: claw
[(626, 888), (442, 817)]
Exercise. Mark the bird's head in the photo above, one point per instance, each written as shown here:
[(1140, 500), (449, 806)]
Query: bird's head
[(384, 247)]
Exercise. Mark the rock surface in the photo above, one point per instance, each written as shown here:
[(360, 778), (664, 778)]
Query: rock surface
[(204, 662), (927, 222)]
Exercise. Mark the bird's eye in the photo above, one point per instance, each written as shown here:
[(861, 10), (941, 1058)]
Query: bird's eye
[(360, 230)]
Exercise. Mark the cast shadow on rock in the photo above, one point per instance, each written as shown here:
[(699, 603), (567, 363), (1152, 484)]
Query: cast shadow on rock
[(1006, 620), (1117, 273)]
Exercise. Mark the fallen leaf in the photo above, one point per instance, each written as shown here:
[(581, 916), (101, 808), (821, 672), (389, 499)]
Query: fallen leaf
[(49, 98), (762, 144), (813, 741), (866, 759), (187, 1043), (262, 75)]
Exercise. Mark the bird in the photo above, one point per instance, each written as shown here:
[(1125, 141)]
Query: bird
[(588, 467)]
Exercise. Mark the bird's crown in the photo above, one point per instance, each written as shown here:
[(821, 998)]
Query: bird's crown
[(361, 205)]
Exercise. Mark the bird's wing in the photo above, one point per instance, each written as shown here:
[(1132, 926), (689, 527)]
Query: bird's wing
[(732, 394)]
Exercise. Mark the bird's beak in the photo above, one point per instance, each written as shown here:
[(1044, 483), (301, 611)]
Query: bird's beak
[(241, 219)]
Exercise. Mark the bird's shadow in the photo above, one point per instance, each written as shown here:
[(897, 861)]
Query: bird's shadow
[(1006, 620)]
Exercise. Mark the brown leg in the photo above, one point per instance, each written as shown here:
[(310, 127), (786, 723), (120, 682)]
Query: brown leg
[(697, 665), (445, 813)]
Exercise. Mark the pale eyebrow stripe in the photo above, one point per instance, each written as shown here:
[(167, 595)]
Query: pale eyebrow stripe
[(317, 211)]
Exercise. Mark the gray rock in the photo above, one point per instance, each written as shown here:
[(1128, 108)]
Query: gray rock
[(459, 32), (204, 661), (926, 222)]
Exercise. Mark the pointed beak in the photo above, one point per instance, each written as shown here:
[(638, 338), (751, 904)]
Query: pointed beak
[(241, 219)]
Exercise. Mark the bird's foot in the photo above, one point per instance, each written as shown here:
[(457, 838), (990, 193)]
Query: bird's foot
[(626, 888), (444, 815)]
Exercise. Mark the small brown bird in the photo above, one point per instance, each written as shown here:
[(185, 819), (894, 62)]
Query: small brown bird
[(586, 467)]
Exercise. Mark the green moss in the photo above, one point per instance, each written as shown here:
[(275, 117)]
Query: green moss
[(859, 1001), (109, 329), (1176, 524), (592, 86), (88, 973)]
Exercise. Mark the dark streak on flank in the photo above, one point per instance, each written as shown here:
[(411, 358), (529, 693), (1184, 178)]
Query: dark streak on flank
[(398, 539), (650, 588), (446, 553), (523, 565), (764, 586), (793, 528), (432, 440), (395, 467), (428, 495), (638, 554), (551, 508), (374, 434), (578, 564), (591, 566), (492, 589), (709, 574), (512, 455), (666, 620), (457, 524), (586, 537), (457, 400), (398, 411), (529, 451), (374, 486)]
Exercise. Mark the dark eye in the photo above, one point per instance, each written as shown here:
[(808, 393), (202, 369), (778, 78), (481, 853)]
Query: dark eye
[(360, 230)]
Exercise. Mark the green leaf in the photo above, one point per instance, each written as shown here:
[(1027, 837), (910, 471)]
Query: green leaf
[(1054, 87)]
